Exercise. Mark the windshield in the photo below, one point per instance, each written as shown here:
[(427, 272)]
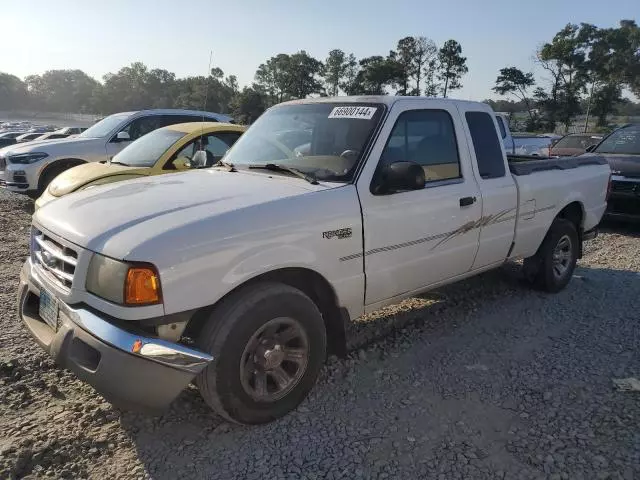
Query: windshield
[(577, 141), (626, 140), (105, 126), (325, 139), (146, 151)]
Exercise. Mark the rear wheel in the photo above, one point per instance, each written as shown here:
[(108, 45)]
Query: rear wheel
[(551, 268), (269, 343)]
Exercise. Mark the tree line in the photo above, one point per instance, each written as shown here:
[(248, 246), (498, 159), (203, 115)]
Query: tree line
[(586, 71), (416, 67)]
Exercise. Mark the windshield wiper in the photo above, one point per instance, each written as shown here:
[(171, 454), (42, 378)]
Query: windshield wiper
[(115, 162), (274, 167), (230, 166)]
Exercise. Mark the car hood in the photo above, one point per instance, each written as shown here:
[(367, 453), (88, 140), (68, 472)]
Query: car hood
[(74, 178), (51, 146), (623, 164), (118, 219)]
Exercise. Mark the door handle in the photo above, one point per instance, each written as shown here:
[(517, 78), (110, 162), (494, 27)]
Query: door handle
[(466, 201)]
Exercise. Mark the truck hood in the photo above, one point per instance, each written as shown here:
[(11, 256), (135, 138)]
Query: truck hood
[(623, 164), (74, 178), (52, 147), (118, 219)]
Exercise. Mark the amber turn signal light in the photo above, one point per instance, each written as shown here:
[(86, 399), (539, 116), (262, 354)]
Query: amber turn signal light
[(142, 286)]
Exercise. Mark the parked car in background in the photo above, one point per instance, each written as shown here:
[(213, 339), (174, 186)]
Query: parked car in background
[(534, 145), (30, 168), (574, 144), (243, 276), (9, 138), (51, 136), (166, 150), (27, 137), (71, 130), (621, 148)]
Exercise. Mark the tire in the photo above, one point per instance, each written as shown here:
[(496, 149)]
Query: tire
[(230, 333), (551, 268)]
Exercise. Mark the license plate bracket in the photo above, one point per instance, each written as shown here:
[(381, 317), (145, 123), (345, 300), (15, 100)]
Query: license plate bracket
[(49, 309)]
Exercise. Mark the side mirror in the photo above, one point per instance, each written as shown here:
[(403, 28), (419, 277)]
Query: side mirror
[(400, 176), (199, 159), (591, 148), (123, 137)]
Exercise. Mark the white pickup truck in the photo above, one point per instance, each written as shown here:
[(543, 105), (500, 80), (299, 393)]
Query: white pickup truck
[(242, 276)]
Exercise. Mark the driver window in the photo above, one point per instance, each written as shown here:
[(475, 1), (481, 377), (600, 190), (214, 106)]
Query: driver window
[(143, 125), (426, 137)]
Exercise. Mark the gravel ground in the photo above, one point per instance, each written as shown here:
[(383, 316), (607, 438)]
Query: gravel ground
[(483, 379)]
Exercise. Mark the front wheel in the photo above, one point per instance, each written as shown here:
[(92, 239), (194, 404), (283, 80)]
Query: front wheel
[(551, 268), (269, 343)]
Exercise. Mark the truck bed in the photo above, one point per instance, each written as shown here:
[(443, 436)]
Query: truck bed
[(526, 165)]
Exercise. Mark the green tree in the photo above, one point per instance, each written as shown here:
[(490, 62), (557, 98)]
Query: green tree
[(274, 77), (514, 81), (304, 75), (417, 56), (248, 105), (61, 90), (565, 56), (13, 92), (376, 74), (349, 81), (452, 66), (335, 69)]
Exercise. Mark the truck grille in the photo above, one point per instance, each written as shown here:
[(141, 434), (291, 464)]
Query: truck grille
[(54, 259), (627, 187)]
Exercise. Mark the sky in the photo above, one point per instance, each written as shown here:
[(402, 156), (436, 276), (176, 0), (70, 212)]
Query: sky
[(101, 37)]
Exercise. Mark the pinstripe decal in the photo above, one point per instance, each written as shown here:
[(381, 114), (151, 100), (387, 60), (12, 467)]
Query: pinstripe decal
[(499, 217)]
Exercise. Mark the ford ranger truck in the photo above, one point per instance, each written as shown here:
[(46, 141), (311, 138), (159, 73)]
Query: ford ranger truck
[(241, 277)]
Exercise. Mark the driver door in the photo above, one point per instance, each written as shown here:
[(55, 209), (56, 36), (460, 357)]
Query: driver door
[(413, 239)]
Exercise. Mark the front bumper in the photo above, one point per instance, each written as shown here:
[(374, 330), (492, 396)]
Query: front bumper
[(16, 178), (102, 354)]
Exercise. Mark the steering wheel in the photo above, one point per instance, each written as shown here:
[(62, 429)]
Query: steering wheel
[(350, 153)]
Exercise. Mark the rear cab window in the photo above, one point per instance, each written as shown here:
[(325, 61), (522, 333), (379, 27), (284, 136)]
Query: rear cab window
[(486, 145)]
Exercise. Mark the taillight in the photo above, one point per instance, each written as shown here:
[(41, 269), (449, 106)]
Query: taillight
[(608, 189)]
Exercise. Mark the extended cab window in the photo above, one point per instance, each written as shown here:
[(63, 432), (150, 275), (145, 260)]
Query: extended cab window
[(426, 137), (486, 145)]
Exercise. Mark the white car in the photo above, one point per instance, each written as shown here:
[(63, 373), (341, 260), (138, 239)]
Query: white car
[(31, 167), (242, 276)]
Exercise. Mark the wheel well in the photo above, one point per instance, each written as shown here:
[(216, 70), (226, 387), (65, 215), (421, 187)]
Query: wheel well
[(65, 164), (574, 213), (314, 285)]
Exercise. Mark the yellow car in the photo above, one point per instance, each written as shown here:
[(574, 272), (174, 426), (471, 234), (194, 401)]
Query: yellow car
[(165, 150)]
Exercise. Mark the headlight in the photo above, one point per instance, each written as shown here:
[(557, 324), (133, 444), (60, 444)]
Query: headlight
[(123, 283), (26, 158)]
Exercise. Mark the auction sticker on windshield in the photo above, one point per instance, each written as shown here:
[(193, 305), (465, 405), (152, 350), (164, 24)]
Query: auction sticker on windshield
[(365, 113)]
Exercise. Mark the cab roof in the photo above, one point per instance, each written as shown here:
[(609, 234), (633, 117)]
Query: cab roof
[(209, 127), (387, 100)]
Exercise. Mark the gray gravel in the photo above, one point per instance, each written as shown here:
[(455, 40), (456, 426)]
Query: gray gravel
[(483, 379)]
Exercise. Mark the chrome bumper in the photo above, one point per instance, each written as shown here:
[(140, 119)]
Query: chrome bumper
[(130, 369)]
